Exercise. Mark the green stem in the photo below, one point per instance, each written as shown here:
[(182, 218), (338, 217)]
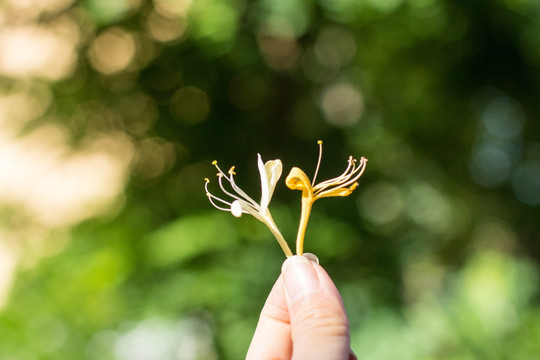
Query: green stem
[(284, 246), (281, 240)]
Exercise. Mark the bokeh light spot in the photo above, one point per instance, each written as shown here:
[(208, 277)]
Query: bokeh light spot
[(214, 24), (158, 339), (279, 52), (490, 164), (22, 105), (58, 189), (488, 283), (112, 51), (503, 118), (429, 208), (190, 105), (44, 51), (526, 183), (342, 104), (139, 112), (334, 47), (499, 141), (166, 29), (153, 157), (32, 9), (381, 203), (173, 8)]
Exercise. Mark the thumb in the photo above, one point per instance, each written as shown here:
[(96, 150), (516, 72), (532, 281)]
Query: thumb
[(319, 325)]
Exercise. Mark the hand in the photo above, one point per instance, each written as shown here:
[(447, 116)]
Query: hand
[(303, 317)]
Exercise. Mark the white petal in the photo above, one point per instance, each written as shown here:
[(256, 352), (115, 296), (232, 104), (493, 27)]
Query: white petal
[(273, 172), (265, 191)]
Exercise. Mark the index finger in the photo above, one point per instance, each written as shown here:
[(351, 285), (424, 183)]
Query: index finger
[(272, 338)]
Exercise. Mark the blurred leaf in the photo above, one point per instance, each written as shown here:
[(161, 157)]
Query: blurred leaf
[(189, 237)]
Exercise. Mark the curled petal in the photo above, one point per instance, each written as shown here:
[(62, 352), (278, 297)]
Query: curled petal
[(298, 180)]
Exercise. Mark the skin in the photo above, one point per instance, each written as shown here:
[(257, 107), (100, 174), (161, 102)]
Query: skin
[(303, 317)]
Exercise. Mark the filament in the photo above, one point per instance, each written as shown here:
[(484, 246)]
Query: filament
[(318, 162)]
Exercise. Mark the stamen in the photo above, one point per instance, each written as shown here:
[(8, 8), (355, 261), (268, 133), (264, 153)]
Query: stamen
[(217, 167), (318, 162), (355, 174), (342, 177), (240, 192), (348, 178), (225, 190), (213, 197), (230, 179)]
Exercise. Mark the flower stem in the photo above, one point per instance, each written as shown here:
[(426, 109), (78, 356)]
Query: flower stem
[(284, 246), (307, 202), (281, 240)]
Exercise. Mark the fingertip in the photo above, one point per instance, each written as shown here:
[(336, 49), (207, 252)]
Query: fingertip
[(300, 278), (311, 257)]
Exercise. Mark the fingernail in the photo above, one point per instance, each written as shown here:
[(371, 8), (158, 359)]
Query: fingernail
[(300, 277), (311, 257)]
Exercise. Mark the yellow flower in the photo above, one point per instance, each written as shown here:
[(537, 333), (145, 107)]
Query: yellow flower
[(270, 173), (342, 185)]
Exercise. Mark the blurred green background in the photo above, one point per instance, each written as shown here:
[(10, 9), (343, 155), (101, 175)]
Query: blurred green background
[(111, 113)]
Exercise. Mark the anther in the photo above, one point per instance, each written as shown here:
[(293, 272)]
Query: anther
[(231, 170), (214, 162)]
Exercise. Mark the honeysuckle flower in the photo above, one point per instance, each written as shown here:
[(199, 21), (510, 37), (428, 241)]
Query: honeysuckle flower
[(342, 185), (241, 203)]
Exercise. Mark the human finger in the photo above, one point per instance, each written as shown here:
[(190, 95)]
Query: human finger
[(319, 325), (272, 338)]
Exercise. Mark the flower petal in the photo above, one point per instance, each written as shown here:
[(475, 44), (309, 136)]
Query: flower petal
[(270, 173), (298, 180), (340, 191), (273, 170), (265, 191)]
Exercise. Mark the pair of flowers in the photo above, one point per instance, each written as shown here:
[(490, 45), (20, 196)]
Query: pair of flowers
[(270, 172)]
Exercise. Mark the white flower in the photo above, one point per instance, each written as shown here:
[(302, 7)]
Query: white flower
[(270, 173)]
